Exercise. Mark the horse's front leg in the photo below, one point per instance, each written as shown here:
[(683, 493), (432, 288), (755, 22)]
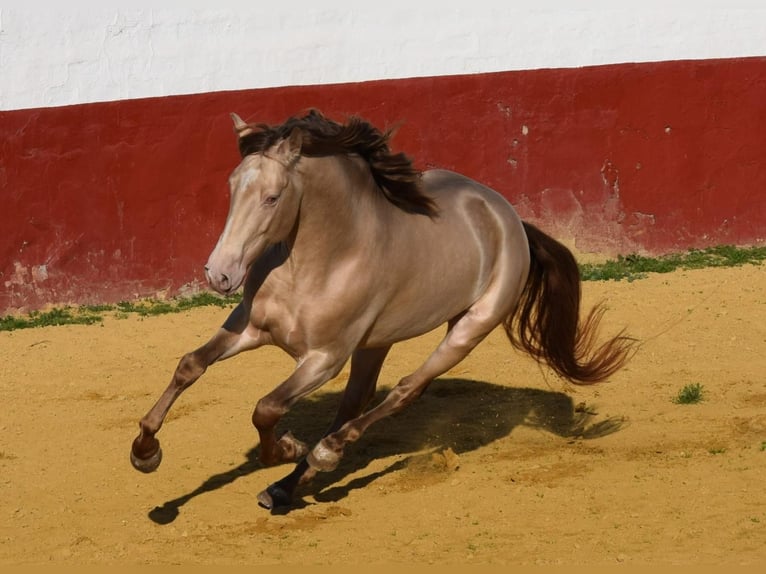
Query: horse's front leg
[(313, 370), (145, 453), (360, 389)]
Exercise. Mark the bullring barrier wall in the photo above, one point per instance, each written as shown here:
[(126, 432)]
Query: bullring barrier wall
[(116, 189)]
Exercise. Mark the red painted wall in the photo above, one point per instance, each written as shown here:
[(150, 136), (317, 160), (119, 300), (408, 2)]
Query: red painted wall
[(116, 200)]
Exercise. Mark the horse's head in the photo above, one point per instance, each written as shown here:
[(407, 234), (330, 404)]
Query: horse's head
[(263, 208)]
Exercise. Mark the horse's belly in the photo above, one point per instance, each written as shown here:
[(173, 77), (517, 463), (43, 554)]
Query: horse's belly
[(427, 299)]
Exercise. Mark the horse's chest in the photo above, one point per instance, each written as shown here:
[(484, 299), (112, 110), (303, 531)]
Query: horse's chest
[(277, 317)]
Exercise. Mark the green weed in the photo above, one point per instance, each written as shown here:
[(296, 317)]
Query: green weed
[(90, 314), (54, 317), (690, 394), (632, 267)]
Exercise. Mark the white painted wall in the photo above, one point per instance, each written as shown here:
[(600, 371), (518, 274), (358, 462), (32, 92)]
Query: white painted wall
[(69, 54)]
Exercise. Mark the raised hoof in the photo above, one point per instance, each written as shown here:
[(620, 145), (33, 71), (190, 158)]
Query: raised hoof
[(274, 497), (322, 458), (146, 465)]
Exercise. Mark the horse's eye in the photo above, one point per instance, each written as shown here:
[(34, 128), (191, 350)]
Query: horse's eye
[(271, 200)]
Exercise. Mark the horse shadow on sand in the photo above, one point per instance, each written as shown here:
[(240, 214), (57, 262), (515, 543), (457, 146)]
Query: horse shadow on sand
[(458, 414)]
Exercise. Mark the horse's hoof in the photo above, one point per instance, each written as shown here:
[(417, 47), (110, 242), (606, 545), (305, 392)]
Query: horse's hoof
[(146, 465), (292, 448), (323, 458), (274, 497)]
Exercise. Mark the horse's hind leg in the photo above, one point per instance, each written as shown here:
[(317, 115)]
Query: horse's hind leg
[(462, 337), (360, 389)]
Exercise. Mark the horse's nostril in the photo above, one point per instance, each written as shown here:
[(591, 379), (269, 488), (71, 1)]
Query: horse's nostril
[(224, 278)]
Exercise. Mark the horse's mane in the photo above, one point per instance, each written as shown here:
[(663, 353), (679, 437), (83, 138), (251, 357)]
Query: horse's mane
[(397, 178)]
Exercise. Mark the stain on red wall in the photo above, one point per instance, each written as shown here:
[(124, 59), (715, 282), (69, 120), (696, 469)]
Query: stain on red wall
[(118, 200)]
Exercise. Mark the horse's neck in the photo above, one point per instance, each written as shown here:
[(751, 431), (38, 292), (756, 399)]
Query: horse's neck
[(340, 210)]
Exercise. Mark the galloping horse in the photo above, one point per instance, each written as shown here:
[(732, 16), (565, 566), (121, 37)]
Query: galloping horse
[(344, 249)]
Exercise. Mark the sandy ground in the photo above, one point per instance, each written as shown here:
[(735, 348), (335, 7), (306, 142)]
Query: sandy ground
[(499, 462)]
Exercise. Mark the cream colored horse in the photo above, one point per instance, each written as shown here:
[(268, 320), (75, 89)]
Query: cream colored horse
[(344, 249)]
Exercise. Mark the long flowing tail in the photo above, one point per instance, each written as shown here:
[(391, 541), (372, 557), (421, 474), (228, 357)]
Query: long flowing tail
[(546, 323)]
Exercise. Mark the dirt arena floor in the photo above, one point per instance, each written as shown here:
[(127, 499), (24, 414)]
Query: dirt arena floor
[(498, 463)]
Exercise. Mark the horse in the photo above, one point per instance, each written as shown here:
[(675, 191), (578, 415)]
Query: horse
[(345, 248)]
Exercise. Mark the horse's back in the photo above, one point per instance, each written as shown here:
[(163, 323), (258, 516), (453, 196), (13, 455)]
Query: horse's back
[(450, 189), (482, 221), (474, 213)]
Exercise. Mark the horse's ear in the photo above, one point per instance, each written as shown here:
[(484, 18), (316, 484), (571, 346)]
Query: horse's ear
[(289, 149), (241, 128)]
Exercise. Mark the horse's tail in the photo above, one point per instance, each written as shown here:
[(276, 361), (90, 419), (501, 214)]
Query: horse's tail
[(546, 323)]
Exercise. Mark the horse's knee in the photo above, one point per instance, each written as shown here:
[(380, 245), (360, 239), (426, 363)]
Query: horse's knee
[(266, 414), (189, 369)]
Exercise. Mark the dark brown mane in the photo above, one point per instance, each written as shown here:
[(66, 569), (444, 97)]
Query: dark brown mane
[(394, 173)]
